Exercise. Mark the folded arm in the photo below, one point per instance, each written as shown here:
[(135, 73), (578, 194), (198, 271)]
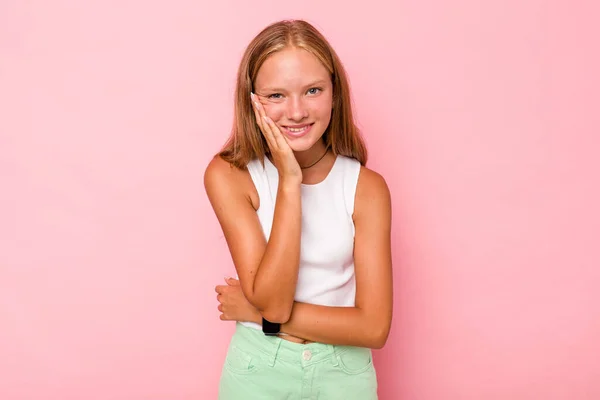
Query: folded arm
[(268, 271), (367, 324)]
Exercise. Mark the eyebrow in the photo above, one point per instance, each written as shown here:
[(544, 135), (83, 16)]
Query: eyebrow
[(275, 89)]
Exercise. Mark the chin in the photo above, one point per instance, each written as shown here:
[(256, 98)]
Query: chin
[(299, 146)]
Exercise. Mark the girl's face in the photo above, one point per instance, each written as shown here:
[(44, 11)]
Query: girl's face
[(296, 92)]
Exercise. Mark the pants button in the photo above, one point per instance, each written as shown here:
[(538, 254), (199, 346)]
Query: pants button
[(306, 355)]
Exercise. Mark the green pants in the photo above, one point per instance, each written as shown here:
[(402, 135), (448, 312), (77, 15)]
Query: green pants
[(267, 367)]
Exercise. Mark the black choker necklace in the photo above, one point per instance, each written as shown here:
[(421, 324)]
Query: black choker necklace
[(315, 163)]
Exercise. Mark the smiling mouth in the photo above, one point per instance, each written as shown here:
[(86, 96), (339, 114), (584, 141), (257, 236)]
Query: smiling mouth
[(298, 131)]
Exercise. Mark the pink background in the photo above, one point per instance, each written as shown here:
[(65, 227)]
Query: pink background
[(483, 117)]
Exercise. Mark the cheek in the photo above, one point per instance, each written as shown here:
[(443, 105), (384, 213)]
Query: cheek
[(326, 110), (274, 111), (323, 106), (323, 111)]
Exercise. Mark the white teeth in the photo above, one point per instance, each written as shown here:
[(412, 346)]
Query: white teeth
[(297, 129)]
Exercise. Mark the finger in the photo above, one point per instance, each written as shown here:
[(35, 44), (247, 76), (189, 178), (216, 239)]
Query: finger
[(280, 140), (256, 99), (219, 288), (259, 113), (255, 108), (277, 135), (259, 99), (220, 307), (224, 317), (266, 128), (233, 282), (219, 297)]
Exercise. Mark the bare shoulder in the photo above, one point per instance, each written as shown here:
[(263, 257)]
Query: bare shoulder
[(371, 191), (224, 180), (219, 170)]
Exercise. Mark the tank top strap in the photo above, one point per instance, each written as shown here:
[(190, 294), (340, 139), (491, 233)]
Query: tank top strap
[(349, 170), (256, 171), (265, 180)]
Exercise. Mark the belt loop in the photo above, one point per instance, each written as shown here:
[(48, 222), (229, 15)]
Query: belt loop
[(334, 358), (275, 351)]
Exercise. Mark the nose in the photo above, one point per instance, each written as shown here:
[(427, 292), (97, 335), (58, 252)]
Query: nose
[(296, 110)]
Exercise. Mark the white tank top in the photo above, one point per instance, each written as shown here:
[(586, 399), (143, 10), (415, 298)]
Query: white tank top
[(326, 270)]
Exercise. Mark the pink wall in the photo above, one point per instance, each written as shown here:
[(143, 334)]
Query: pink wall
[(483, 117)]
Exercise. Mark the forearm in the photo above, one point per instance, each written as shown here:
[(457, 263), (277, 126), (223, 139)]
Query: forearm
[(276, 277), (349, 326)]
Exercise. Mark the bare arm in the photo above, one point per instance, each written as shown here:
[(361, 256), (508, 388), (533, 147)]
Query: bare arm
[(368, 323), (268, 271)]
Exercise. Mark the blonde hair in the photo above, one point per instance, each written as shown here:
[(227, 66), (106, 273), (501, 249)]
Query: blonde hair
[(246, 141)]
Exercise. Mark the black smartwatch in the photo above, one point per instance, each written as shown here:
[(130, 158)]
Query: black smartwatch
[(270, 328)]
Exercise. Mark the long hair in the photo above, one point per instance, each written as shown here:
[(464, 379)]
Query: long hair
[(246, 141)]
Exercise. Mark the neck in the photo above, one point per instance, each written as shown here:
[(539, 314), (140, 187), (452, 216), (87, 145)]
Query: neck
[(310, 156)]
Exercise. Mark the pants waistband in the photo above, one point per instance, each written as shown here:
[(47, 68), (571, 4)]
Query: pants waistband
[(276, 348)]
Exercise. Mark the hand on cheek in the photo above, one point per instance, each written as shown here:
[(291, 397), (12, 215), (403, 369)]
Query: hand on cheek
[(266, 106)]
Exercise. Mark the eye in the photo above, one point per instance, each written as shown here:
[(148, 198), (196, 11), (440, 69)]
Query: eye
[(275, 96), (314, 90)]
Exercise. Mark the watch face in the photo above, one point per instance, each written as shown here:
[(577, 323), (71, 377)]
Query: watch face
[(270, 328)]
